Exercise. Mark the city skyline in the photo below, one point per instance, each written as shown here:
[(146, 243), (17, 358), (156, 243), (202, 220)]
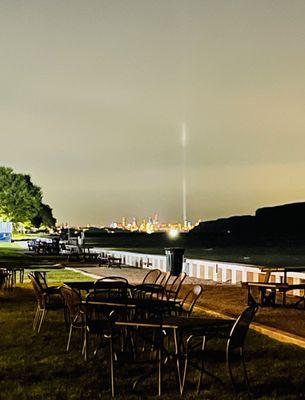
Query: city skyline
[(94, 98)]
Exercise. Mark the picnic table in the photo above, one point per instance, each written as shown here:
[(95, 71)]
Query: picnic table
[(268, 290)]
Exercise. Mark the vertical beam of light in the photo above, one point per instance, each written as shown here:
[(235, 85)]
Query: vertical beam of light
[(183, 142)]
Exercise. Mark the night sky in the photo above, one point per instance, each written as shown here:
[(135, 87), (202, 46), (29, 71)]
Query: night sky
[(94, 94)]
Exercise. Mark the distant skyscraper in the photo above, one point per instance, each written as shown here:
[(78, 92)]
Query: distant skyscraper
[(156, 221), (134, 222)]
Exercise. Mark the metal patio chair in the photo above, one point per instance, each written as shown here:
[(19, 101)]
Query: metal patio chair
[(235, 334), (98, 316), (152, 276), (175, 286), (190, 299), (76, 314), (145, 349), (164, 278), (46, 301)]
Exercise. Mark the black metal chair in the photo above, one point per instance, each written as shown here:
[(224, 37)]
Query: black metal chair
[(235, 334), (144, 348), (41, 279), (189, 301), (73, 302), (175, 287), (46, 301), (98, 316), (152, 276), (236, 341), (164, 278), (149, 291), (110, 279)]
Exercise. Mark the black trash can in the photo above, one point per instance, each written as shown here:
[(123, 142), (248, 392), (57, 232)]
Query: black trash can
[(174, 260)]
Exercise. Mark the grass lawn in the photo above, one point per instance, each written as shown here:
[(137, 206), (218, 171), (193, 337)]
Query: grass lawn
[(11, 250), (58, 276), (36, 366)]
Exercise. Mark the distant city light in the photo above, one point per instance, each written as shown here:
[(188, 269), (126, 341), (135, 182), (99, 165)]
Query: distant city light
[(173, 233), (151, 225)]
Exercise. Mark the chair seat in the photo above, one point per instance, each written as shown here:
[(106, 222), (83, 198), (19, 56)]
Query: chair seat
[(52, 290), (222, 331)]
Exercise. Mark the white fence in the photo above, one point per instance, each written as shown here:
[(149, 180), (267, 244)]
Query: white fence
[(222, 272)]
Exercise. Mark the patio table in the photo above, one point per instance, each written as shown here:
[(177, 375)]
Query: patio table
[(180, 326), (146, 304), (81, 285)]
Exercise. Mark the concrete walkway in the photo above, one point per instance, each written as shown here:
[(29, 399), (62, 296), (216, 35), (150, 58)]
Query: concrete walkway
[(132, 274)]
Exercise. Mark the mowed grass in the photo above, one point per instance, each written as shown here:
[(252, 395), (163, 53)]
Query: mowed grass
[(56, 276), (11, 250), (36, 366)]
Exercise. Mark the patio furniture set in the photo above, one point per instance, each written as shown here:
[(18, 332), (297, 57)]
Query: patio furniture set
[(74, 252), (44, 247), (150, 324)]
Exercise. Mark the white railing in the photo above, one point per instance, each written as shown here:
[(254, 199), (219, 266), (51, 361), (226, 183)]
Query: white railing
[(222, 272)]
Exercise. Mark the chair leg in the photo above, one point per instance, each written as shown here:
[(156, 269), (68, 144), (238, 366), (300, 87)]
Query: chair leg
[(159, 372), (43, 316), (85, 346), (242, 356), (229, 368), (111, 367), (177, 344), (36, 318), (184, 373), (202, 364), (69, 338)]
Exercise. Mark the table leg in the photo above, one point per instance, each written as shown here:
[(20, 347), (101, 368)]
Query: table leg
[(177, 355)]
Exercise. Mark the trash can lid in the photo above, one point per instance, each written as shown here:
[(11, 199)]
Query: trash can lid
[(174, 249)]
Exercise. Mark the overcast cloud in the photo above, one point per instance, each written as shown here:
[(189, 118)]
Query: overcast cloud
[(94, 94)]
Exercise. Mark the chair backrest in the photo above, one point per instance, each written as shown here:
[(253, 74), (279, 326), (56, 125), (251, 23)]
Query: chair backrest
[(110, 289), (152, 276), (240, 328), (72, 300), (190, 299), (110, 279), (164, 278), (41, 279), (149, 291), (107, 292), (176, 286), (38, 290)]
